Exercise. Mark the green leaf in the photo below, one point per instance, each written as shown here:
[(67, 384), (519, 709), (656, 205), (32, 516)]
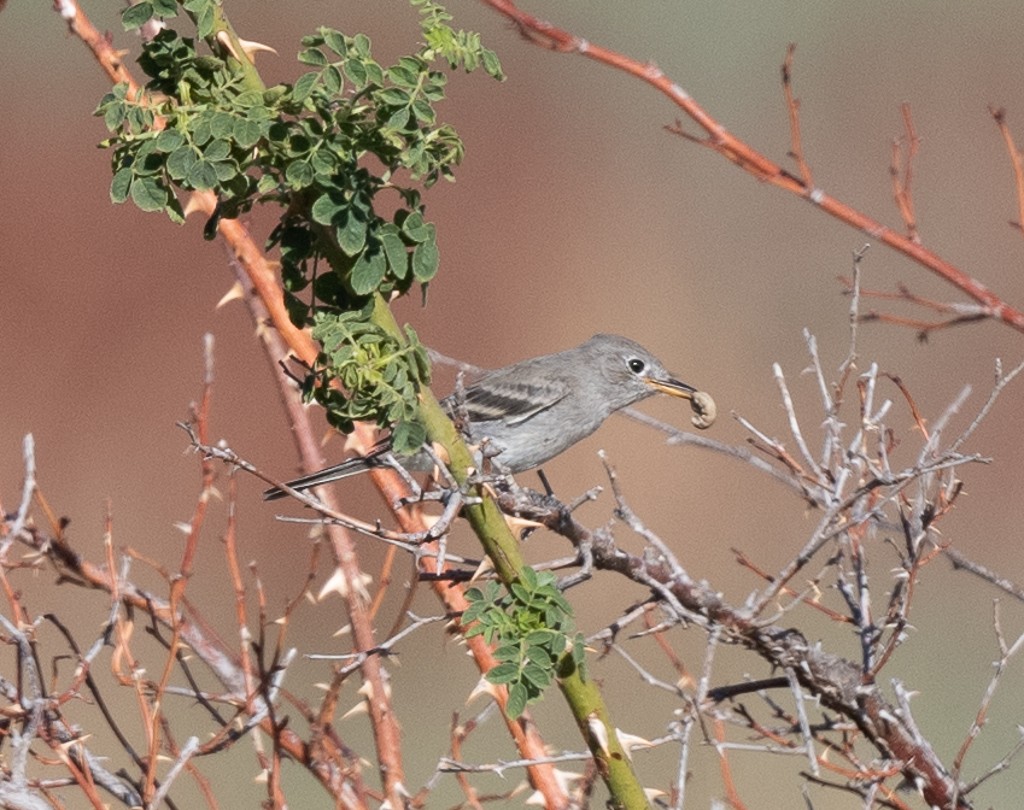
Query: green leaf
[(333, 80), (325, 209), (424, 113), (271, 96), (517, 698), (180, 162), (356, 72), (420, 357), (405, 73), (503, 673), (136, 16), (174, 211), (368, 272), (267, 183), (473, 612), (334, 40), (148, 194), (398, 120), (361, 43), (226, 171), (136, 119), (558, 599), (324, 165), (491, 64), (312, 56), (395, 250), (539, 677), (508, 652), (201, 133), (392, 96), (206, 64), (169, 140), (298, 175), (205, 21), (425, 261), (374, 73), (351, 233), (520, 590), (202, 175), (304, 86), (542, 639), (165, 8), (408, 437), (114, 115), (217, 150), (246, 132), (222, 125), (415, 228), (120, 185), (579, 651), (475, 630)]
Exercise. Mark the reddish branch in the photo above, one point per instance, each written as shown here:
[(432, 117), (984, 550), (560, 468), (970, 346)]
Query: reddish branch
[(793, 106), (265, 299), (719, 140), (902, 171), (1015, 159)]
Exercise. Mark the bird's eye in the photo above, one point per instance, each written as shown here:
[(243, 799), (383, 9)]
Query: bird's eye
[(636, 365)]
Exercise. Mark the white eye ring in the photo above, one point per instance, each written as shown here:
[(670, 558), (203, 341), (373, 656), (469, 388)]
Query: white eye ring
[(636, 365)]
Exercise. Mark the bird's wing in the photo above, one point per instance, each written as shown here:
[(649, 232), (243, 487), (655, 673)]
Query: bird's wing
[(509, 401)]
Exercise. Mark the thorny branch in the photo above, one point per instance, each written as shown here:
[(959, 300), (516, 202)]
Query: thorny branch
[(851, 481), (841, 686), (721, 141), (862, 496)]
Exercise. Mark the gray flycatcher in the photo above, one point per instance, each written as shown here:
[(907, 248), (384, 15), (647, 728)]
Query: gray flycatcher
[(534, 410)]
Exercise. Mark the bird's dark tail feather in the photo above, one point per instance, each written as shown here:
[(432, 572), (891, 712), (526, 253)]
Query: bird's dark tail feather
[(352, 466)]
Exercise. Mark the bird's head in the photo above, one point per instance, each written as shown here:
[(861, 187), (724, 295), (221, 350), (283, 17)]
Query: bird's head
[(626, 372)]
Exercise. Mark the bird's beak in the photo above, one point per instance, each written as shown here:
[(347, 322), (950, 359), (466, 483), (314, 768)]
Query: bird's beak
[(672, 387)]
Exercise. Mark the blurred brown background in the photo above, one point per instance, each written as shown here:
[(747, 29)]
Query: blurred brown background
[(575, 212)]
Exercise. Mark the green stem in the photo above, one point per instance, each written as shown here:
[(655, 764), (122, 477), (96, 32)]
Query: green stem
[(591, 715), (222, 29), (488, 522), (486, 519)]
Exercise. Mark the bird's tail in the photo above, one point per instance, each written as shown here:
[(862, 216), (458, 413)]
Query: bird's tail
[(352, 466)]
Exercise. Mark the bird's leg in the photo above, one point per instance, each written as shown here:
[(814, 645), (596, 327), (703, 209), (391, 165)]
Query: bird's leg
[(545, 483), (496, 479), (459, 414)]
